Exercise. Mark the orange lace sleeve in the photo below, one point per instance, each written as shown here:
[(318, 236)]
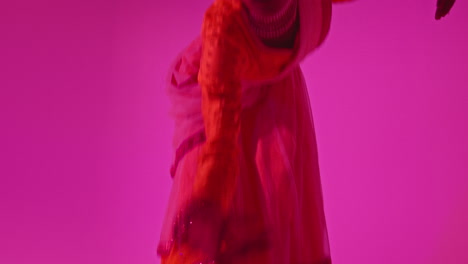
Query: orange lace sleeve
[(219, 78)]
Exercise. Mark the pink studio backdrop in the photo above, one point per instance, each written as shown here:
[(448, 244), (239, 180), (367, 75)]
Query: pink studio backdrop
[(85, 136)]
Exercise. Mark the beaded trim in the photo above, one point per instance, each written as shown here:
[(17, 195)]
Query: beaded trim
[(275, 26)]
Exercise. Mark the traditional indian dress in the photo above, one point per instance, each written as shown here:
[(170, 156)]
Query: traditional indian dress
[(246, 182)]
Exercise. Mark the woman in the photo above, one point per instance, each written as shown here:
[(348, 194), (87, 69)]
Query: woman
[(246, 175)]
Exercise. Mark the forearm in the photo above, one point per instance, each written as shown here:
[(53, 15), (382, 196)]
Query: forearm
[(265, 7), (271, 7), (275, 22)]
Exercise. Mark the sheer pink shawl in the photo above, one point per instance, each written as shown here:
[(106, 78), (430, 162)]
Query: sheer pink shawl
[(285, 146)]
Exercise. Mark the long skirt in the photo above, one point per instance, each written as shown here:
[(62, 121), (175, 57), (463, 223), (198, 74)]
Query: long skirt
[(279, 165)]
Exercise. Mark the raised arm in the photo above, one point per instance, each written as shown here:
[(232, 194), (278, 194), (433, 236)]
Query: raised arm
[(266, 7), (443, 7), (275, 22)]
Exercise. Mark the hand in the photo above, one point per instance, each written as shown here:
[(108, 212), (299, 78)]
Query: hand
[(443, 8), (198, 229)]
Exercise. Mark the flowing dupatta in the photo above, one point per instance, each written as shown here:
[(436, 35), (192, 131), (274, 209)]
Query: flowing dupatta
[(194, 80)]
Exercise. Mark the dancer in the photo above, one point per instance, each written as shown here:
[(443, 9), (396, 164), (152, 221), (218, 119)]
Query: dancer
[(246, 182)]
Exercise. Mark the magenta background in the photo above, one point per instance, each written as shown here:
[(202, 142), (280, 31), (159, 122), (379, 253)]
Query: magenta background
[(85, 135)]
